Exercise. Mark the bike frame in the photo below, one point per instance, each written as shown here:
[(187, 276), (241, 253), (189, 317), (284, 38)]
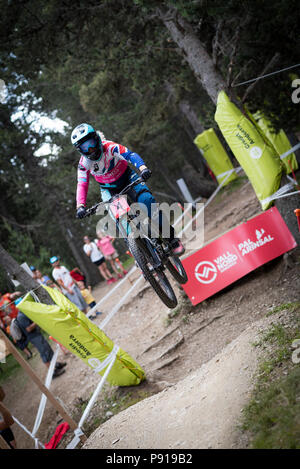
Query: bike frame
[(158, 253), (123, 224)]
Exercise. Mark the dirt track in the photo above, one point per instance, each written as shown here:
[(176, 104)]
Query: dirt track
[(198, 412), (172, 350)]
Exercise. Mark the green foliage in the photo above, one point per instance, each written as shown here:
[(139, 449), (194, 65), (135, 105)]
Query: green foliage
[(271, 418), (20, 244), (286, 306)]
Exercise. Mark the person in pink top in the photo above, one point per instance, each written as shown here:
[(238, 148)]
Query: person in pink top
[(105, 245), (96, 256)]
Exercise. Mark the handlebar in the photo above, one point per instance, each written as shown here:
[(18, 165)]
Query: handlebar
[(92, 210), (137, 181)]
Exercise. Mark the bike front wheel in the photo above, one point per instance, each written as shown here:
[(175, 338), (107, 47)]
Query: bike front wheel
[(154, 276), (176, 269)]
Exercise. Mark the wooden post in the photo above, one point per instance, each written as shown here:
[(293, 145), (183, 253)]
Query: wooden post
[(40, 384), (3, 443)]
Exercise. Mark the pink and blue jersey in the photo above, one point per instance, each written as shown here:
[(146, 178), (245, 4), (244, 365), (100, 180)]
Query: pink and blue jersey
[(111, 166)]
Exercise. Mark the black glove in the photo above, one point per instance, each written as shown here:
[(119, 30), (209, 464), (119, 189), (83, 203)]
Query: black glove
[(81, 211), (146, 174)]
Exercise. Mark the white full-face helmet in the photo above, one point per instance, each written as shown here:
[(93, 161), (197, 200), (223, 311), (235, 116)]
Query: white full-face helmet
[(87, 141)]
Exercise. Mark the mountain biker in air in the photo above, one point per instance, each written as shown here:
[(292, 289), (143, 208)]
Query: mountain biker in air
[(108, 161)]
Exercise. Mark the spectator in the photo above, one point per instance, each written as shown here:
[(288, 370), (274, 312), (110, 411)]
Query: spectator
[(62, 275), (97, 258), (21, 343), (37, 275), (7, 305), (77, 275), (33, 270), (33, 333), (105, 245), (43, 279), (6, 422), (87, 295)]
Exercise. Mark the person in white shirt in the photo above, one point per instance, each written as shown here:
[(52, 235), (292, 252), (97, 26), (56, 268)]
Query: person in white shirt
[(96, 256), (62, 276)]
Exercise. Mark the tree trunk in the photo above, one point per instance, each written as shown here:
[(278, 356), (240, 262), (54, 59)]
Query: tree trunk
[(205, 71), (194, 52), (11, 266), (192, 127)]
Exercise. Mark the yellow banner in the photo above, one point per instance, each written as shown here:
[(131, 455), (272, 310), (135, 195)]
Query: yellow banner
[(215, 155), (256, 156), (69, 326), (279, 141)]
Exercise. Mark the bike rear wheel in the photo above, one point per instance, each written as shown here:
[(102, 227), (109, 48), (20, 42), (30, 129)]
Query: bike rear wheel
[(155, 277), (176, 269)]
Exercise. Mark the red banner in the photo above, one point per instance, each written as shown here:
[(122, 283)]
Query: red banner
[(235, 254)]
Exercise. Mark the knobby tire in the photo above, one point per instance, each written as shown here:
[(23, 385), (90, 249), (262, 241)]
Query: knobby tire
[(176, 269), (143, 259)]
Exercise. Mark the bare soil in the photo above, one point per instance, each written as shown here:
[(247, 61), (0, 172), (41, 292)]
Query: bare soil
[(197, 356)]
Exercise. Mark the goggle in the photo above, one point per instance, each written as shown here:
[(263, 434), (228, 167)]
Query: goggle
[(88, 147)]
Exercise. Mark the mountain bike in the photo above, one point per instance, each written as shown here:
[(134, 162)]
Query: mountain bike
[(153, 254)]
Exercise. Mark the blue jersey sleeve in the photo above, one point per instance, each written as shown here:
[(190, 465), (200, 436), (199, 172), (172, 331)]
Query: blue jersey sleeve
[(133, 158)]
